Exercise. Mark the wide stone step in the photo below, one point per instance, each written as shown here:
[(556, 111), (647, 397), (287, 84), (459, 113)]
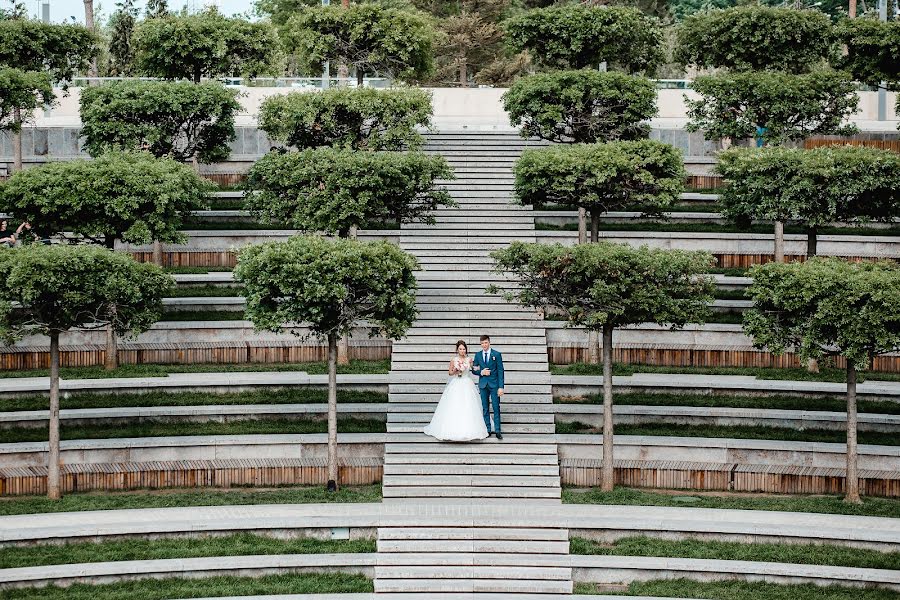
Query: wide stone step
[(507, 428), (439, 339), (429, 383), (516, 445), (513, 402), (510, 367), (487, 491), (478, 546), (468, 585), (452, 480), (508, 350), (512, 413), (474, 533), (422, 460), (470, 469)]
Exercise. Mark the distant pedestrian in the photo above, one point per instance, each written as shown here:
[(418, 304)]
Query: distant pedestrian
[(7, 239)]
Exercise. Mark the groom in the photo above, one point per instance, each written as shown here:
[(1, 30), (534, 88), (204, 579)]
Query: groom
[(488, 364)]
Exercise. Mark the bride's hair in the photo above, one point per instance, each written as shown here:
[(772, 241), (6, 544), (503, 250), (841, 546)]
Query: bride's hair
[(463, 344)]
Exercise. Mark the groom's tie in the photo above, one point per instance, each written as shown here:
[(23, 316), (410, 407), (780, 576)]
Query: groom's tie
[(484, 357)]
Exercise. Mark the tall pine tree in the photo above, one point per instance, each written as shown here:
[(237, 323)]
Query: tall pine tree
[(121, 50)]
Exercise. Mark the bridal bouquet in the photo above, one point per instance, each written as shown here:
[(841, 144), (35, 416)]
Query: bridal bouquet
[(461, 366)]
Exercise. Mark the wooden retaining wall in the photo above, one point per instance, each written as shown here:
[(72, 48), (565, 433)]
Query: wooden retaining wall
[(25, 481), (817, 142), (773, 479)]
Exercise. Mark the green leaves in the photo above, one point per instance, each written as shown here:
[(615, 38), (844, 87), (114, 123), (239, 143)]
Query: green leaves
[(24, 91), (645, 175), (581, 106), (826, 306), (359, 119), (576, 36), (330, 190), (811, 187), (130, 196), (755, 37), (181, 120), (873, 50), (61, 51), (604, 283), (206, 44), (787, 107), (331, 285), (371, 37), (62, 287)]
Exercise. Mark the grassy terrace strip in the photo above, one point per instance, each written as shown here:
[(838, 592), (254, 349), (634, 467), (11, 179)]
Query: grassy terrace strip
[(203, 315), (622, 496), (208, 291), (759, 228), (740, 432), (819, 403), (796, 374), (23, 505), (153, 428), (732, 318), (804, 554), (159, 398), (197, 270), (175, 587), (239, 544), (740, 590), (356, 367)]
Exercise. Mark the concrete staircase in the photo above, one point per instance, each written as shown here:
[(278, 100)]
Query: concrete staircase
[(458, 557)]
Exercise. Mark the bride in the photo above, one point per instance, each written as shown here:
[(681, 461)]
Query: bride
[(458, 416)]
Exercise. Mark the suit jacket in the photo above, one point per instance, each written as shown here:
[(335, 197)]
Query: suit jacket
[(494, 363)]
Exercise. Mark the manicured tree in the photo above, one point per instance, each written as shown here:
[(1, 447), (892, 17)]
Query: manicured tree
[(331, 286), (828, 307), (471, 43), (575, 36), (646, 176), (52, 289), (873, 50), (358, 119), (755, 37), (581, 106), (370, 37), (60, 51), (177, 119), (333, 191), (605, 286), (206, 44), (810, 187)]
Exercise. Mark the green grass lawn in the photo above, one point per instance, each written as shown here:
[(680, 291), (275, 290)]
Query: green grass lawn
[(818, 403), (805, 554), (796, 373), (871, 506), (20, 505), (152, 428), (741, 432), (238, 544), (206, 291), (356, 367), (721, 294), (162, 398), (163, 589), (740, 590)]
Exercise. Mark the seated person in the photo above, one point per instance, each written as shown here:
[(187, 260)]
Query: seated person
[(6, 238)]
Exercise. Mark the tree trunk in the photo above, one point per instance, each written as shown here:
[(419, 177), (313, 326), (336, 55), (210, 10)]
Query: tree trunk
[(17, 140), (593, 350), (463, 73), (89, 25), (852, 482), (332, 413), (582, 225), (812, 242), (852, 9), (157, 253), (53, 483), (595, 226), (343, 356), (111, 358), (779, 241), (360, 77), (607, 478)]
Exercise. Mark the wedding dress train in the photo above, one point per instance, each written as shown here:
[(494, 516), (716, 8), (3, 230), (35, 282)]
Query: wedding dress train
[(458, 416)]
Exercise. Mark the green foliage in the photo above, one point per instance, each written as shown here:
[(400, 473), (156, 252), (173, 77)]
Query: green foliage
[(204, 45), (61, 51), (360, 118), (576, 36), (370, 37), (644, 175), (810, 187), (331, 285), (121, 46), (62, 287), (826, 306), (581, 106), (611, 284), (23, 91), (873, 50), (332, 190), (129, 196), (178, 119), (755, 37), (788, 107), (156, 8)]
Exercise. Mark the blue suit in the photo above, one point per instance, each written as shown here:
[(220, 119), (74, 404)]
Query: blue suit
[(489, 385)]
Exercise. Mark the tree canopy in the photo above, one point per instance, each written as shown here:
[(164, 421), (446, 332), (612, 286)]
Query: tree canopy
[(755, 37), (61, 51), (178, 119), (777, 107), (22, 91), (581, 106), (360, 119), (873, 50), (133, 197), (331, 190), (575, 36), (206, 44), (369, 37)]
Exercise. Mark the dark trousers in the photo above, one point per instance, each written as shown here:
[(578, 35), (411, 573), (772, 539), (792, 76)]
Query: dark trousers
[(489, 397)]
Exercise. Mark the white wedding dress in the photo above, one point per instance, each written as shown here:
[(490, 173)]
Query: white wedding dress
[(458, 416)]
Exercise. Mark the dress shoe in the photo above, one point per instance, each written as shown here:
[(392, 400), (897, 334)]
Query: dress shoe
[(499, 436)]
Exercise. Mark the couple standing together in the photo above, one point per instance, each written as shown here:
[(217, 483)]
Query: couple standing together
[(464, 411)]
